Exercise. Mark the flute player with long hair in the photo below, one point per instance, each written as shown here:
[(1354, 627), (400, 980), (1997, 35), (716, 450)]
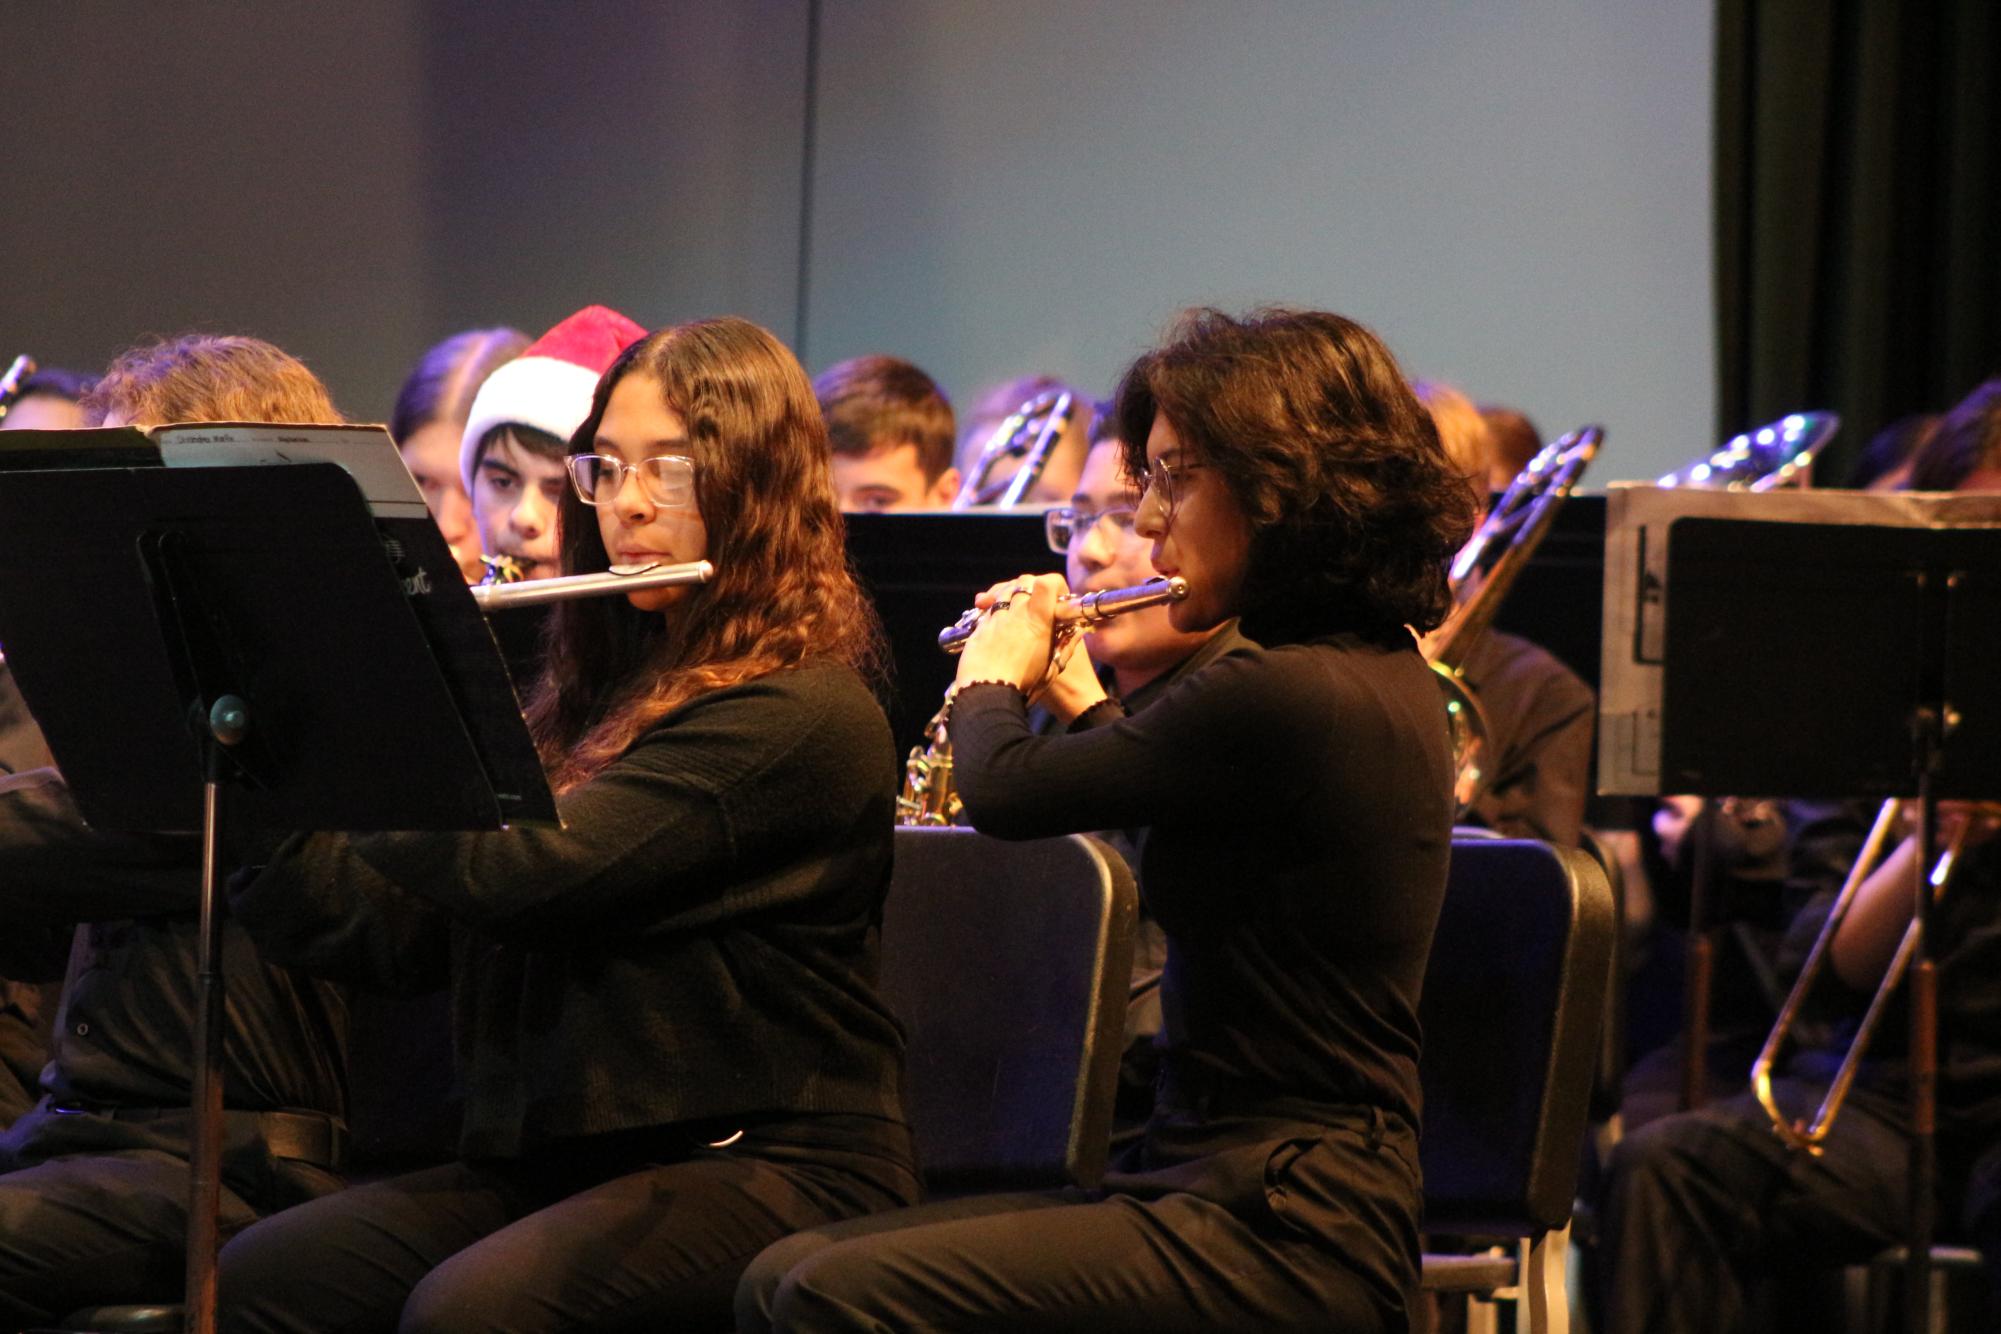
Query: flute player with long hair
[(669, 1039)]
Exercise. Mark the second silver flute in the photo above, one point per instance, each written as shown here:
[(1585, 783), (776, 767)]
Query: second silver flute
[(1079, 612)]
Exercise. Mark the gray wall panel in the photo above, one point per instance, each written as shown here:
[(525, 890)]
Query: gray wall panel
[(1516, 194)]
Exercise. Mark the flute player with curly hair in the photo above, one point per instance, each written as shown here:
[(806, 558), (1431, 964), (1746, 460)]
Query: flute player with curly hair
[(1297, 795)]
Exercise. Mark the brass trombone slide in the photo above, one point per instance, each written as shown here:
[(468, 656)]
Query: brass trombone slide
[(1809, 1135)]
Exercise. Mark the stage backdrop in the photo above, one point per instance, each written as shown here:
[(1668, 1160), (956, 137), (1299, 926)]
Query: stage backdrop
[(1516, 194)]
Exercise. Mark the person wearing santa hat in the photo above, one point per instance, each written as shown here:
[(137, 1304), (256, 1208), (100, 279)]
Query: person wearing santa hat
[(511, 455)]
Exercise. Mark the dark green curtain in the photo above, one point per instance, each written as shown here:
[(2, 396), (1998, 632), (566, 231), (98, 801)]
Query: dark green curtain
[(1858, 210)]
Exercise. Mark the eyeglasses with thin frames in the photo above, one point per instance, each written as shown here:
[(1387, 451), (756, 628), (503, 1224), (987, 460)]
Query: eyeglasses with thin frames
[(1066, 525), (667, 479), (1164, 483)]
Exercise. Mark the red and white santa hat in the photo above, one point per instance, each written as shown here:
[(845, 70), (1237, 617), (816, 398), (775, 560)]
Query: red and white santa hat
[(549, 386)]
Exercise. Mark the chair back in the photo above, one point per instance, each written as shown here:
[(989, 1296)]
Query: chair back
[(1008, 964), (1513, 998)]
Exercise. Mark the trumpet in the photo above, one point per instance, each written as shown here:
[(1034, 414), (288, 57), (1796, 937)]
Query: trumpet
[(14, 381), (614, 582), (1031, 432), (1809, 1135), (1078, 613), (930, 796)]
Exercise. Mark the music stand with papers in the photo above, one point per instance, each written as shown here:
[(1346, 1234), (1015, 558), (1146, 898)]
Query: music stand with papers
[(209, 647), (1919, 701)]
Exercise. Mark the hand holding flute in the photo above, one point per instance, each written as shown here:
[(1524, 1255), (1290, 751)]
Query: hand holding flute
[(1022, 633)]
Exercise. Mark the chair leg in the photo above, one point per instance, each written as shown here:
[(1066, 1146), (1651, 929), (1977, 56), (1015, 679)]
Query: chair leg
[(1544, 1304)]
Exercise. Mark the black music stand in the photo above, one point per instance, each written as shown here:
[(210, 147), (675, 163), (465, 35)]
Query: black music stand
[(248, 644), (1901, 626)]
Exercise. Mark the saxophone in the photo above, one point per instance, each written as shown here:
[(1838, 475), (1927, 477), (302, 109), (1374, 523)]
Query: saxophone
[(929, 796)]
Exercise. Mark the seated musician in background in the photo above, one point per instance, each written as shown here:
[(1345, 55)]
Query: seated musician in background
[(51, 400), (93, 1197), (1703, 1205), (1516, 443), (518, 430), (429, 425), (1065, 460), (891, 429), (1541, 716), (1297, 795), (667, 1027)]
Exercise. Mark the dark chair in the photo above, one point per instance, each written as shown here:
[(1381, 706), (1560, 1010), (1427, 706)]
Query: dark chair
[(1008, 964), (1513, 999)]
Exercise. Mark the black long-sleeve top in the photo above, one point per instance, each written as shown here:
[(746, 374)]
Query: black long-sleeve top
[(1543, 720), (697, 943), (1299, 804)]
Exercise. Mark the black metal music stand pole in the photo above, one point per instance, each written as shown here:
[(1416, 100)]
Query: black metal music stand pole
[(1923, 1064), (228, 721)]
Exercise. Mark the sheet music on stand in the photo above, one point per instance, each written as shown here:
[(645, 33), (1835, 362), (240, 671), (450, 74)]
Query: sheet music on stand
[(1821, 580), (467, 665)]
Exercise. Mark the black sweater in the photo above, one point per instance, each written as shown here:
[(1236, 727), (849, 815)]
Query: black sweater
[(698, 942), (1300, 815)]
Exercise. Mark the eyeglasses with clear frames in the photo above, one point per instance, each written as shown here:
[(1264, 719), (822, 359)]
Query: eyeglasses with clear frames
[(667, 479), (1065, 526)]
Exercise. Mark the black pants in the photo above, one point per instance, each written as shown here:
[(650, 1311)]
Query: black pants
[(1702, 1207), (104, 1229), (1311, 1231), (96, 1211), (631, 1232)]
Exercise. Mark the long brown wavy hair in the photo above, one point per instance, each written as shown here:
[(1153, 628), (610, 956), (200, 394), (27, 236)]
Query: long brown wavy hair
[(783, 591)]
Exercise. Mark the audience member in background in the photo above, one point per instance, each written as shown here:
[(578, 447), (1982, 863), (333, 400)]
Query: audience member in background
[(429, 424), (518, 431), (891, 428), (1541, 717), (1066, 456), (1516, 441), (51, 400), (93, 1198)]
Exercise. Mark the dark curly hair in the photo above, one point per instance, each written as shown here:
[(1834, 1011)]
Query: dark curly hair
[(783, 592), (1354, 508)]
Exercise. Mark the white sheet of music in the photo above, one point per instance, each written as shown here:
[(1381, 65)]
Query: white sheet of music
[(366, 452)]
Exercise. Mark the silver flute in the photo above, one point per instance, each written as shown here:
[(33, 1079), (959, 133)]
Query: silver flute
[(1079, 612), (614, 582)]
